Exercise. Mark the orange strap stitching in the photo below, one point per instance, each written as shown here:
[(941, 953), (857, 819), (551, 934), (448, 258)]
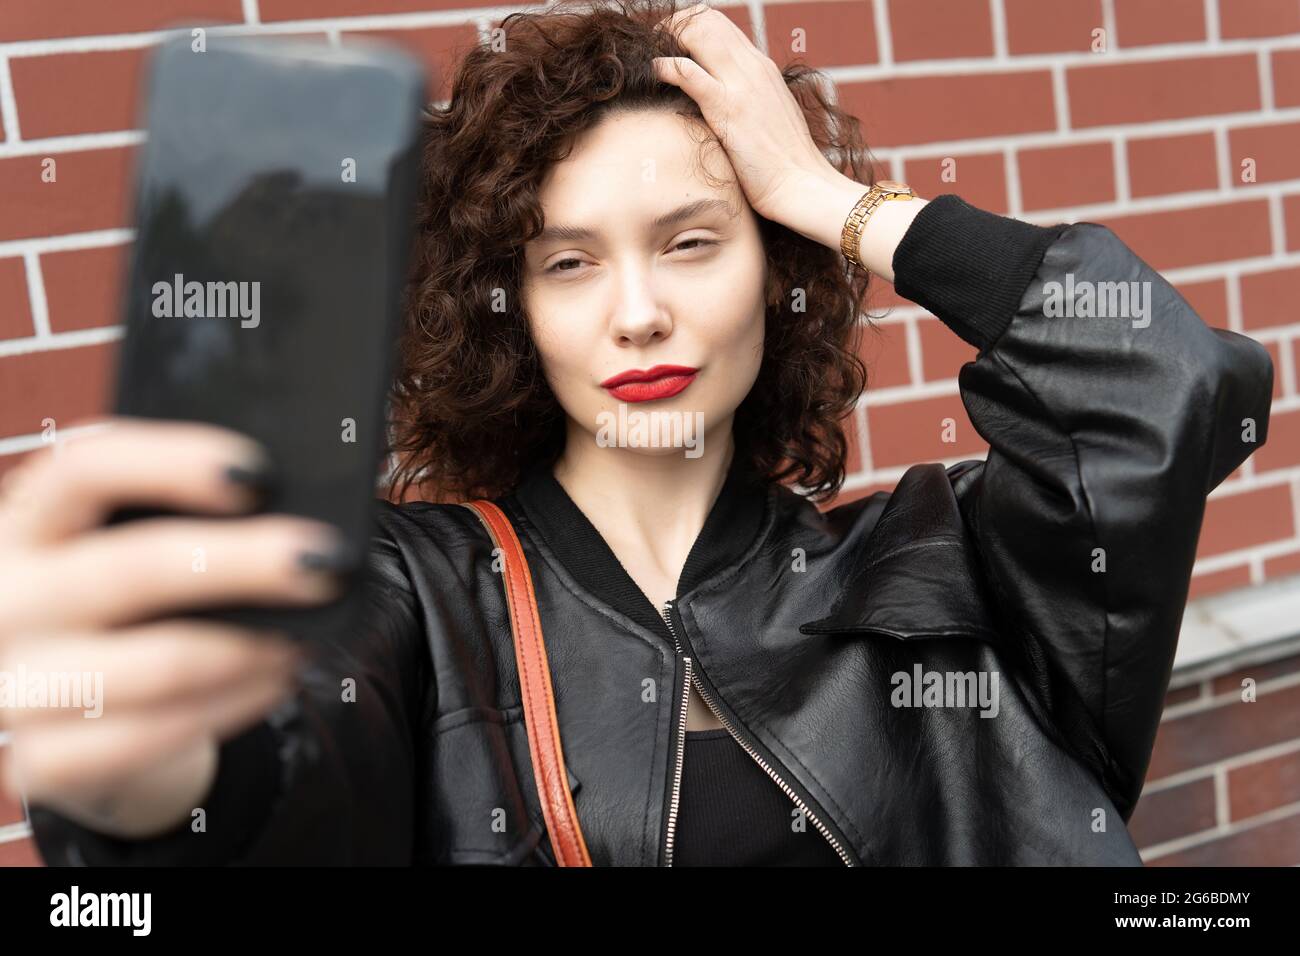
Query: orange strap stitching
[(540, 719)]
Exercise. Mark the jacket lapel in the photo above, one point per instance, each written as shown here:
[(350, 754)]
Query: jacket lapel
[(919, 574)]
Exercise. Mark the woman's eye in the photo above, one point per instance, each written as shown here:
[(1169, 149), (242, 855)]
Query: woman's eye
[(556, 266), (702, 242)]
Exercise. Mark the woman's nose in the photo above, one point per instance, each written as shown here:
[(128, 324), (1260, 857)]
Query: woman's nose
[(640, 316)]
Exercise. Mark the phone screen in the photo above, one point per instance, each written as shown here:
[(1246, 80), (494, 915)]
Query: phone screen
[(274, 199)]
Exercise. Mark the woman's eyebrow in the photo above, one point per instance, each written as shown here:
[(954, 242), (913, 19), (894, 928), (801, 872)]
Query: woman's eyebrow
[(672, 218)]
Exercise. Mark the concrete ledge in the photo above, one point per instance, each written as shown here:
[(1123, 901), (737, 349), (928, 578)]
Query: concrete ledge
[(1242, 627)]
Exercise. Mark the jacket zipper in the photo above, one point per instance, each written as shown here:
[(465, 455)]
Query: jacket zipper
[(681, 750)]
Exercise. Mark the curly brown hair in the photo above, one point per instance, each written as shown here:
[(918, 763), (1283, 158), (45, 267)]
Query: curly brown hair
[(470, 408)]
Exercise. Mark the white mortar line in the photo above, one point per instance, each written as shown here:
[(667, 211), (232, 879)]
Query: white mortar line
[(1119, 151), (1231, 559), (1277, 223), (1011, 169), (1295, 501), (1060, 99), (14, 832), (1265, 81), (388, 21), (1223, 158), (1108, 24), (1200, 123), (759, 23), (1209, 836), (1222, 812), (36, 295), (998, 19), (76, 240), (1232, 287), (902, 394), (1183, 777), (912, 334), (1068, 59), (864, 438), (69, 144), (8, 104), (60, 340), (466, 15), (884, 35), (1288, 371)]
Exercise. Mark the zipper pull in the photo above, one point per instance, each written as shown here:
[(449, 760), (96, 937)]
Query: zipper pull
[(668, 619)]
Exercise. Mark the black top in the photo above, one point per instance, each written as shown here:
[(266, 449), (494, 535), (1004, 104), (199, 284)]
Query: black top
[(730, 812)]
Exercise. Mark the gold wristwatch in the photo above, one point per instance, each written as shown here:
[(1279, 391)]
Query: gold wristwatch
[(882, 191)]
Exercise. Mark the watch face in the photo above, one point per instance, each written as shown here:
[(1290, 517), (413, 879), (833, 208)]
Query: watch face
[(890, 185)]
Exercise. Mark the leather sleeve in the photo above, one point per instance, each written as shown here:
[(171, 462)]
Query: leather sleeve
[(1108, 424), (320, 781)]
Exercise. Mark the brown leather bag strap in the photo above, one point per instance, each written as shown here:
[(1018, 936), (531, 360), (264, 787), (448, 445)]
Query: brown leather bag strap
[(535, 688)]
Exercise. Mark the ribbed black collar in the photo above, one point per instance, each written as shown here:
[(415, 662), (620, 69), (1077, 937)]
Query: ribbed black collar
[(730, 528)]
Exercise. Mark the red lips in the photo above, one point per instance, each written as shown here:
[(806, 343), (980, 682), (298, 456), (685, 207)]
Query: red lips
[(661, 381)]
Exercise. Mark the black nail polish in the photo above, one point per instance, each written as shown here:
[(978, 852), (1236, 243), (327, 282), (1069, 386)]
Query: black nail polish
[(340, 559), (257, 477)]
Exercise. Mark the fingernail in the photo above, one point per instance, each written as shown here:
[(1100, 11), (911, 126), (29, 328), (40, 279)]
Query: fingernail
[(330, 566), (339, 558), (257, 478)]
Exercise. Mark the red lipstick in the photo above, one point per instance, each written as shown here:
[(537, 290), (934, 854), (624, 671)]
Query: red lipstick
[(661, 381)]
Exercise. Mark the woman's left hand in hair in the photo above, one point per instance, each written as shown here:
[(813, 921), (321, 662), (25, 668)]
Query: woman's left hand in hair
[(745, 100)]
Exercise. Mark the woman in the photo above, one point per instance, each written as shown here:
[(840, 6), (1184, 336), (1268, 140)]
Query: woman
[(969, 669)]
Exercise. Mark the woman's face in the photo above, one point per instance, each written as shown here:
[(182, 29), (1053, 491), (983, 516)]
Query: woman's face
[(644, 263)]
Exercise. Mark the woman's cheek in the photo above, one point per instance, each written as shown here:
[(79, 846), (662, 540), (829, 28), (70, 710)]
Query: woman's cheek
[(740, 338), (563, 365), (561, 375)]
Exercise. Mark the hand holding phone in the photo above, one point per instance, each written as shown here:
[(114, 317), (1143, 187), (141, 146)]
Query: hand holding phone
[(274, 199), (106, 606)]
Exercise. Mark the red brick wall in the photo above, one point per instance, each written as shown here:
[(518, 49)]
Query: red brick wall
[(1223, 788), (1139, 114)]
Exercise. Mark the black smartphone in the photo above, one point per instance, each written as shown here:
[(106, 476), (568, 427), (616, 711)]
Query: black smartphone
[(274, 204)]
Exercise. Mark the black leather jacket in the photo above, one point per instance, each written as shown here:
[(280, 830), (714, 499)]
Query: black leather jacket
[(1060, 564)]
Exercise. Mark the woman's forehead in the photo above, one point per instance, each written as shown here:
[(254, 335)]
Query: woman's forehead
[(636, 153)]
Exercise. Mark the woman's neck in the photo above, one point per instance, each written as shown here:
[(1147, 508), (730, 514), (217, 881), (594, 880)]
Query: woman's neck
[(649, 508)]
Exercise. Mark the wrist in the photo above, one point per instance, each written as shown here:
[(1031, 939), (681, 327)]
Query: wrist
[(819, 204), (883, 232)]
